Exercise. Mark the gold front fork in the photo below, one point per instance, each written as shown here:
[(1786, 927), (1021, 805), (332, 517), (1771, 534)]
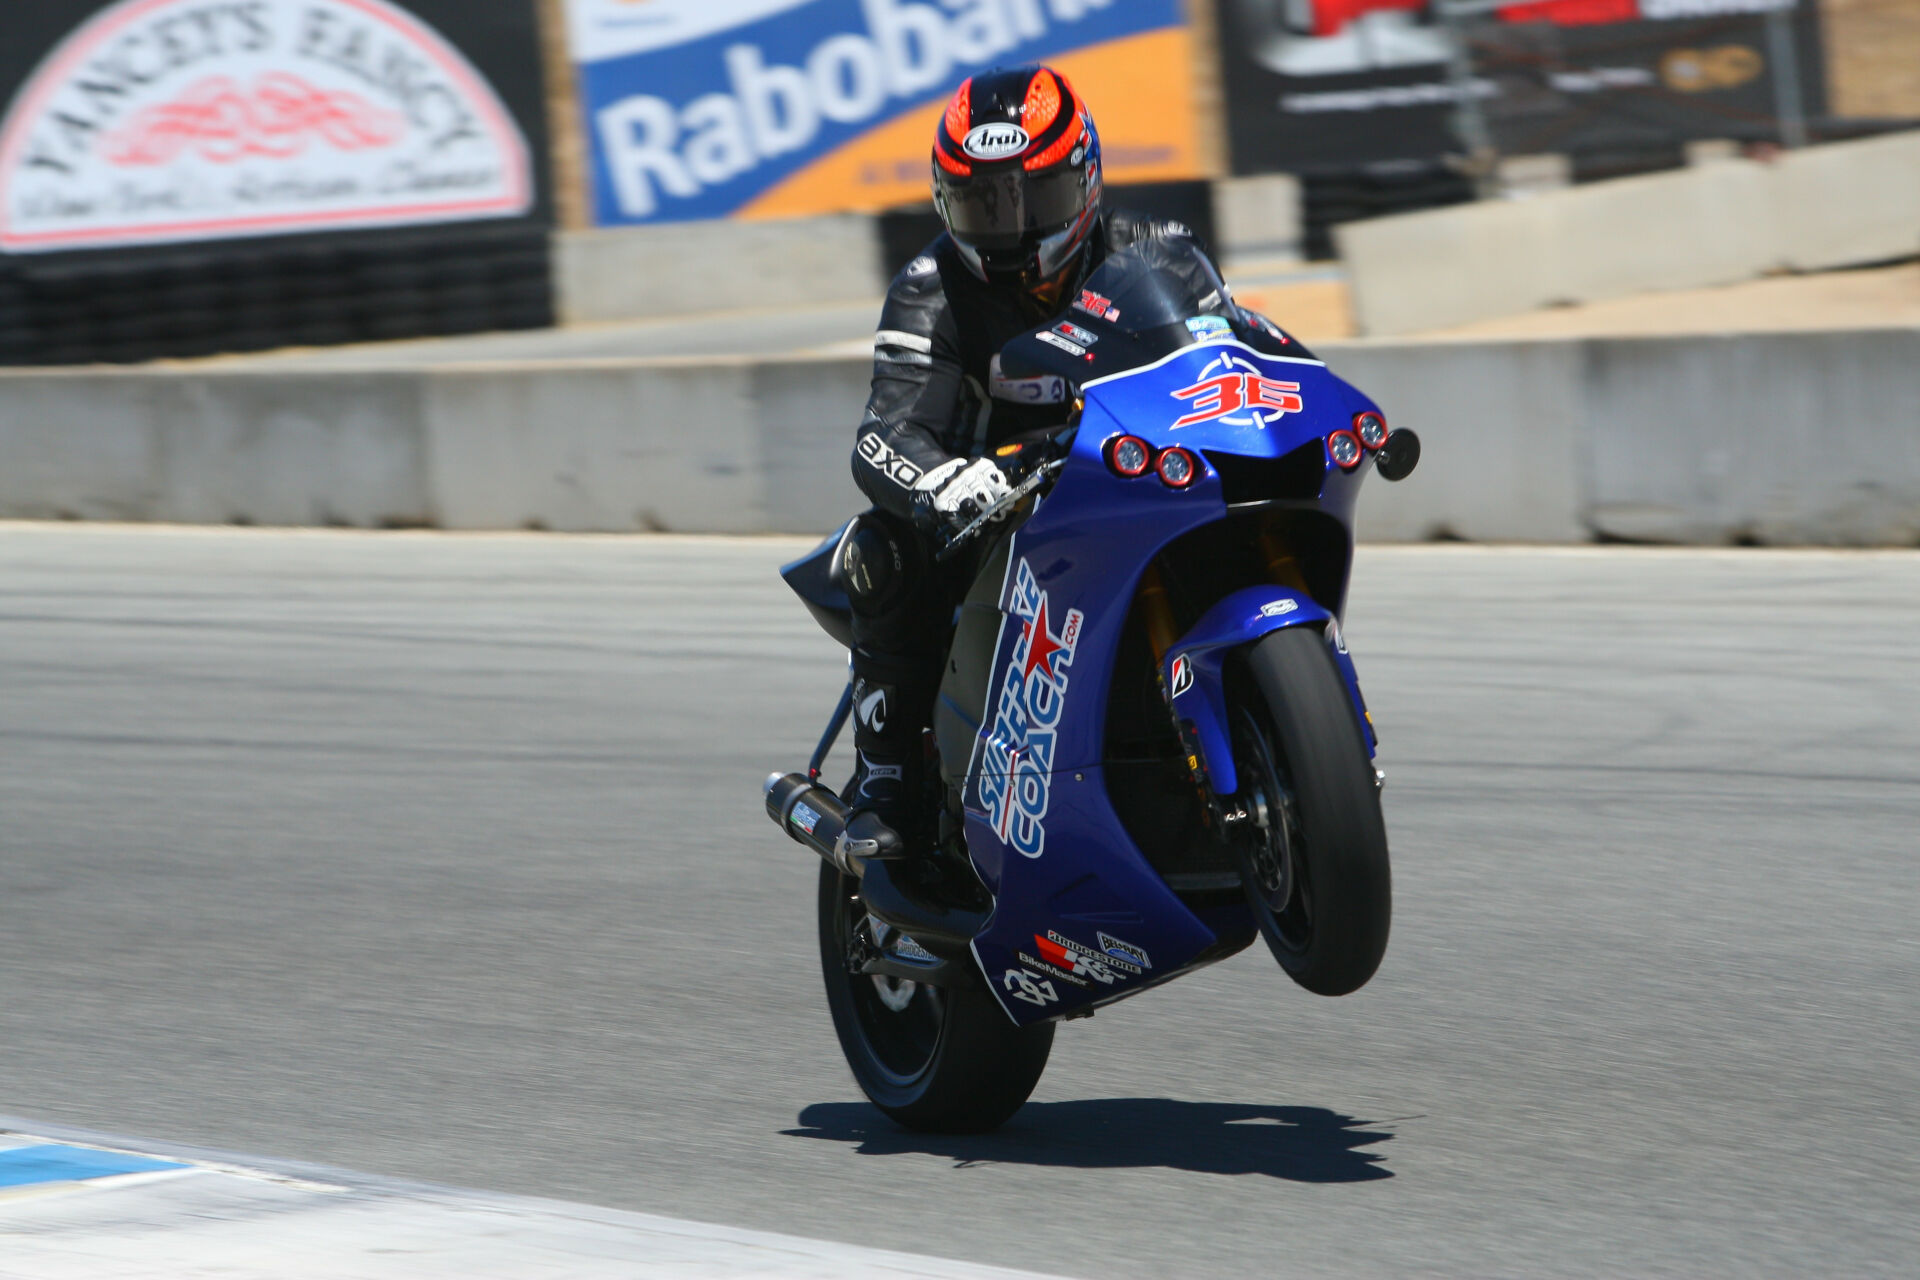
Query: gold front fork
[(1281, 566), (1157, 613), (1283, 569)]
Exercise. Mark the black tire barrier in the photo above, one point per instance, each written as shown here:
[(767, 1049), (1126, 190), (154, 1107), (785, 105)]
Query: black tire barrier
[(323, 334), (252, 296), (527, 317), (393, 325)]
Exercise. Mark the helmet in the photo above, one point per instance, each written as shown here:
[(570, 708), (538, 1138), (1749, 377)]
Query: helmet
[(1016, 174)]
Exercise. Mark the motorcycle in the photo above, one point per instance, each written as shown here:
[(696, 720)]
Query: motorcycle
[(1150, 744)]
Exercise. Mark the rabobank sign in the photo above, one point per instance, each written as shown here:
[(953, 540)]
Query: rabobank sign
[(711, 108)]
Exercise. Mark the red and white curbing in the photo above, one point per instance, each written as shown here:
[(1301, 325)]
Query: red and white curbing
[(120, 1210)]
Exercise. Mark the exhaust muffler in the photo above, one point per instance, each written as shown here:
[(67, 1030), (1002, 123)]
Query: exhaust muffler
[(816, 818)]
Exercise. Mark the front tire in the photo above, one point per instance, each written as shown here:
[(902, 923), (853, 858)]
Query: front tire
[(936, 1059), (1313, 846)]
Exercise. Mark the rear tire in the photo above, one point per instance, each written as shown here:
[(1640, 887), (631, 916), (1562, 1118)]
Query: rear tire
[(1313, 854), (936, 1059)]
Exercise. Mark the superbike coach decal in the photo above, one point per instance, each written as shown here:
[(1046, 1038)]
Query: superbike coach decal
[(1016, 771), (778, 108), (171, 120)]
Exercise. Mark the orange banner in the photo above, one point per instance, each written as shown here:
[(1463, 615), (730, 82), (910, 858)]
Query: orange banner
[(1140, 90)]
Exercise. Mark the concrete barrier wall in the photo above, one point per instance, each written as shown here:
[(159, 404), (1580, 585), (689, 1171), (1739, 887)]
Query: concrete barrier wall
[(1775, 438), (680, 268), (709, 447), (214, 448), (1842, 204), (1771, 438), (716, 446), (1501, 431)]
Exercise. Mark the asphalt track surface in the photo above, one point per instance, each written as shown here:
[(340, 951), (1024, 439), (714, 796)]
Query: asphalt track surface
[(442, 857)]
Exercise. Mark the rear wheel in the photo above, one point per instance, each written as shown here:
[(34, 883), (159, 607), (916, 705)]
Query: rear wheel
[(1312, 845), (938, 1059)]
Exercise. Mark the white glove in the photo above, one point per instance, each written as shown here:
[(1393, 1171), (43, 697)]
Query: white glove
[(952, 485)]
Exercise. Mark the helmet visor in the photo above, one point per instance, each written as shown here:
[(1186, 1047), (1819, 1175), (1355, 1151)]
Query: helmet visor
[(998, 210)]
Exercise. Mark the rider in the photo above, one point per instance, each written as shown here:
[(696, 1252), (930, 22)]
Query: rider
[(1017, 183)]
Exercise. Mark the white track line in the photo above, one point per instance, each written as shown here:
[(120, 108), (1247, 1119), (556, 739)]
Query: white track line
[(221, 1217)]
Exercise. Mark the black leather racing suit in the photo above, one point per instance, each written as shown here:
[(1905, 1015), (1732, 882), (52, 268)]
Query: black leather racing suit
[(936, 396)]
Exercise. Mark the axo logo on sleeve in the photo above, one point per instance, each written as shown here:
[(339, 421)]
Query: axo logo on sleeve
[(705, 108), (169, 120), (887, 460)]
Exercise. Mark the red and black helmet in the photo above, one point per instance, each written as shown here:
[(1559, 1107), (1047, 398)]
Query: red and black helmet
[(1016, 174)]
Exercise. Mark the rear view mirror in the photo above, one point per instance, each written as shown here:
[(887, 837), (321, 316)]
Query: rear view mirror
[(1398, 456)]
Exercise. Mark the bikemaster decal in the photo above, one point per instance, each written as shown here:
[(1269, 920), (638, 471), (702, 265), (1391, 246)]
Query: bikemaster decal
[(1054, 972), (1016, 773), (1078, 965), (162, 121), (1239, 395)]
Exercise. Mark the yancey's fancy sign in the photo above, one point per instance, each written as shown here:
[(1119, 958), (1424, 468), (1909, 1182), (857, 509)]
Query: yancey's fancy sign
[(770, 108), (170, 120)]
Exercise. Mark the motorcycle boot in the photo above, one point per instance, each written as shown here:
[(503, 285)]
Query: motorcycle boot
[(899, 619), (887, 775)]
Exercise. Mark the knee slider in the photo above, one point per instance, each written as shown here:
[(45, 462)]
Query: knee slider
[(871, 566)]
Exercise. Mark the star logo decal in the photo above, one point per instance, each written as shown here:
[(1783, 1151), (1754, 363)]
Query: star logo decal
[(1041, 646)]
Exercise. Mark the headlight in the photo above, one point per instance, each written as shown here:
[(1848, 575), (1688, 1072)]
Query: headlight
[(1344, 448), (1177, 468), (1129, 456), (1371, 428)]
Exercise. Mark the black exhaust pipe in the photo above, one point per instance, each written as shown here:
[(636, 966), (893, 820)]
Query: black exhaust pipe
[(815, 817)]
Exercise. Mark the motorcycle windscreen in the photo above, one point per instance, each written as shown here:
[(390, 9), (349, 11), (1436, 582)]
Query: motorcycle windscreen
[(1142, 303)]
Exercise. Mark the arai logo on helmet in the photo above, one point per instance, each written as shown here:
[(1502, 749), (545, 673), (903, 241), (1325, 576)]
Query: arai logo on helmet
[(995, 141)]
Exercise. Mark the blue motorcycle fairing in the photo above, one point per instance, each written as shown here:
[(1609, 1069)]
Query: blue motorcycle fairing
[(1194, 674), (1075, 897)]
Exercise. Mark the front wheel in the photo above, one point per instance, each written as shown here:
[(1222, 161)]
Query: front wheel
[(937, 1059), (1311, 843)]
